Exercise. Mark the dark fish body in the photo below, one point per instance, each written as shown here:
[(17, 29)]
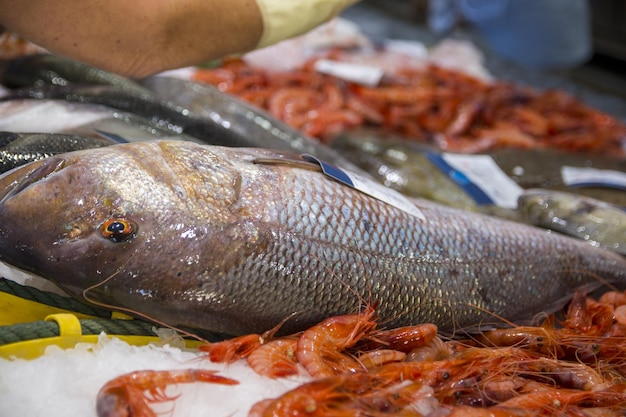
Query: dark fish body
[(405, 166), (97, 122), (40, 69), (160, 113), (21, 148), (260, 129), (597, 222), (236, 240), (191, 108)]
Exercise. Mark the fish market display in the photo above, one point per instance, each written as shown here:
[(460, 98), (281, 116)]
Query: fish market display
[(419, 170), (232, 228), (259, 244), (454, 111), (21, 148), (592, 220)]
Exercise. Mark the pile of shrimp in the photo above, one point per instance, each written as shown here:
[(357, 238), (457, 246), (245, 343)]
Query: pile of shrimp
[(452, 110), (575, 368)]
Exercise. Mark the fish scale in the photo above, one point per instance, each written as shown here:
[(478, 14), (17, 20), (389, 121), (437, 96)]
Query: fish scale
[(266, 235)]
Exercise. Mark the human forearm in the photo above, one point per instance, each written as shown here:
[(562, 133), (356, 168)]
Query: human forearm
[(142, 37), (139, 37)]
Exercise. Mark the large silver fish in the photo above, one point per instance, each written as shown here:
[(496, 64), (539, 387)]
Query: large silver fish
[(236, 240)]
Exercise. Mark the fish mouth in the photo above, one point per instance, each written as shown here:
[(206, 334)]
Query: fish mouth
[(18, 179)]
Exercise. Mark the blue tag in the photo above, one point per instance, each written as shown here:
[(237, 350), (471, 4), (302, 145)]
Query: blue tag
[(471, 189), (368, 186), (330, 170)]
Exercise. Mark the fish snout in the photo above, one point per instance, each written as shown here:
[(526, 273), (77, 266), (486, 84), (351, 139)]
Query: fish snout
[(25, 219)]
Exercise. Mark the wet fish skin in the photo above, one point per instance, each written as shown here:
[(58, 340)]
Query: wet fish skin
[(82, 119), (18, 149), (597, 222), (40, 69), (261, 129), (229, 245), (160, 113)]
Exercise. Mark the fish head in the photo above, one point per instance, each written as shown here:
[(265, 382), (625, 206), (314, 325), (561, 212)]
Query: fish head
[(142, 211), (58, 220)]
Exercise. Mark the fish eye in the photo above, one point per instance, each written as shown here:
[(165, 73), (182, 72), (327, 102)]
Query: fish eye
[(118, 230)]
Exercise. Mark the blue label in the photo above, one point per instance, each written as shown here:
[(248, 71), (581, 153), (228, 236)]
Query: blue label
[(367, 186), (471, 189), (330, 170)]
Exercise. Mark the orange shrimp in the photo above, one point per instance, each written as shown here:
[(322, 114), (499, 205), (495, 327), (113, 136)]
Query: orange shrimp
[(379, 357), (423, 102), (588, 316), (541, 339), (433, 373), (403, 339), (487, 390), (319, 348), (465, 116), (276, 358), (130, 395), (614, 298), (351, 395), (558, 400), (259, 407), (232, 350), (508, 135), (239, 347), (563, 374), (468, 411), (435, 350)]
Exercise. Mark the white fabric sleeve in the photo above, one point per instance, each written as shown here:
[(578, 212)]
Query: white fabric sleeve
[(283, 19)]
